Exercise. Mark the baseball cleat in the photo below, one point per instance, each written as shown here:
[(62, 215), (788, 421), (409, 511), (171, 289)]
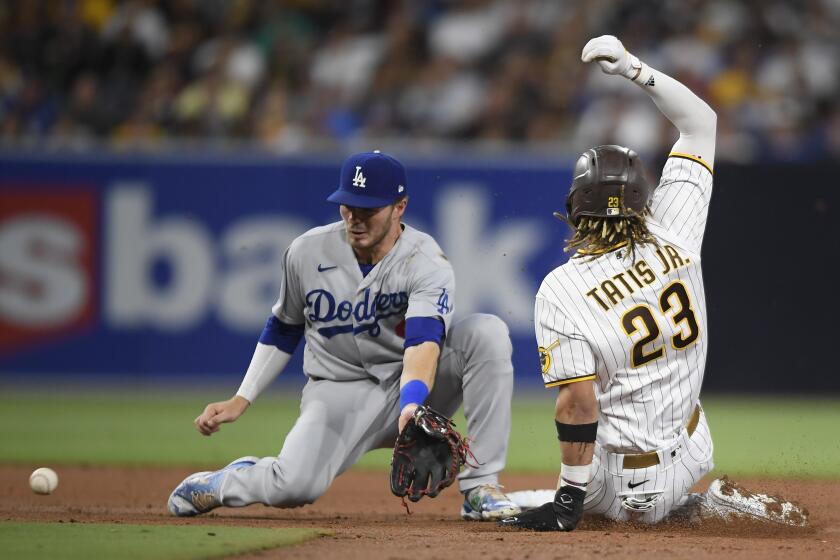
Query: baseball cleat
[(488, 502), (200, 492), (725, 498)]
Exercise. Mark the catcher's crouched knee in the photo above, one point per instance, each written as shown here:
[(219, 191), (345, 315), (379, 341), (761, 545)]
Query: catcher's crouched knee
[(482, 336)]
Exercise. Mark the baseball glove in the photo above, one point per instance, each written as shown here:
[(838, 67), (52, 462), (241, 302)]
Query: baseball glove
[(428, 455)]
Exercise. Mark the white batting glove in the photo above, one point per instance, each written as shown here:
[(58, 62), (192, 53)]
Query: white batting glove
[(611, 56)]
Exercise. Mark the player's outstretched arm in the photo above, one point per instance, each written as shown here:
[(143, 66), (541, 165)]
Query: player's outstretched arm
[(576, 405), (419, 365), (220, 413), (692, 116), (266, 364), (576, 416)]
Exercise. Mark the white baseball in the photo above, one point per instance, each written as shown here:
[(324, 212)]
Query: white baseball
[(43, 480)]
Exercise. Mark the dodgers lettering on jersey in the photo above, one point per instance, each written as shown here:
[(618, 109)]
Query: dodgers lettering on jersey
[(637, 328), (354, 324), (366, 313)]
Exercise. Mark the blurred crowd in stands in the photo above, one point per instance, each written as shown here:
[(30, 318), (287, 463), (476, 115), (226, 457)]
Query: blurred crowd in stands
[(289, 75)]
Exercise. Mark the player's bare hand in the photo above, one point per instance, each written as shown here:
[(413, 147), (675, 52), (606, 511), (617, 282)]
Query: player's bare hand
[(406, 415), (219, 413), (611, 56)]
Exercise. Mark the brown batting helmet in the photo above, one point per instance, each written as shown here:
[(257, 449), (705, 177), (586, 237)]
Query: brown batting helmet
[(608, 182)]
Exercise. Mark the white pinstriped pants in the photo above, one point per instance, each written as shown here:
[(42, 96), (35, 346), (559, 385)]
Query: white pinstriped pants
[(656, 490)]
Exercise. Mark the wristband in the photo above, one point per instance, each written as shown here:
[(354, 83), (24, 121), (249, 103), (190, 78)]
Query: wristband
[(574, 475), (577, 433), (634, 67), (413, 392), (645, 77)]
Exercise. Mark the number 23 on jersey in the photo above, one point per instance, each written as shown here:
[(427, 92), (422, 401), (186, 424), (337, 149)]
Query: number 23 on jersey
[(674, 305)]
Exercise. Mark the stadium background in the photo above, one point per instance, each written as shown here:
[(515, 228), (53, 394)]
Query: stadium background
[(156, 157)]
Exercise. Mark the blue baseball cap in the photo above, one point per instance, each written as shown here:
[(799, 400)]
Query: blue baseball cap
[(370, 180)]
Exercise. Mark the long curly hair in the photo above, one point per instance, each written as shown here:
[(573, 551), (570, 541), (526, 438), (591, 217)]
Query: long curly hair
[(594, 236)]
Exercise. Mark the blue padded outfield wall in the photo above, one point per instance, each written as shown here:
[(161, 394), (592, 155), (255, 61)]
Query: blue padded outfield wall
[(137, 266), (134, 267)]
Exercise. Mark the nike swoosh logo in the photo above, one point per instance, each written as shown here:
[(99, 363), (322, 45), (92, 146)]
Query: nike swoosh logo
[(630, 485), (322, 268)]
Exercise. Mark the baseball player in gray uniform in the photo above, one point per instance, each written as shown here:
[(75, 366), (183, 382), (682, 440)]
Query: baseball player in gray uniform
[(621, 327), (374, 300)]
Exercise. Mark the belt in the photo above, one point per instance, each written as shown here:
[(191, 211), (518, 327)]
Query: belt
[(651, 458)]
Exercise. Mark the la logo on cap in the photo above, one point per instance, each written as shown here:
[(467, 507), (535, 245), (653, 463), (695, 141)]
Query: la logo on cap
[(359, 179), (370, 180)]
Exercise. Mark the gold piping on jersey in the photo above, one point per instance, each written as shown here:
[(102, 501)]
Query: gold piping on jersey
[(699, 160), (567, 381), (545, 355), (603, 251)]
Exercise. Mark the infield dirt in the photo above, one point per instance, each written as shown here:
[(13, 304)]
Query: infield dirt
[(367, 522)]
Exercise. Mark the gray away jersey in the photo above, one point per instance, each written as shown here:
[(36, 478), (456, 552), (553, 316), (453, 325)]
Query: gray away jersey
[(354, 325), (637, 328)]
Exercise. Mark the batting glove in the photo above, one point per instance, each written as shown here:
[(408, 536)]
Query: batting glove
[(563, 514), (611, 56)]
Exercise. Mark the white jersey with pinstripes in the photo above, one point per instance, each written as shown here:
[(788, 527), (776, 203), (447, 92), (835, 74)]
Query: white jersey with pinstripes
[(636, 327)]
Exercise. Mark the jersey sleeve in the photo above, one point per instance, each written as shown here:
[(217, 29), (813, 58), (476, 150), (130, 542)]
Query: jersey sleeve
[(565, 354), (290, 305), (432, 292), (681, 201)]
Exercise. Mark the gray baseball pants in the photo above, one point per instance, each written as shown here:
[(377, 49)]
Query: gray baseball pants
[(341, 421)]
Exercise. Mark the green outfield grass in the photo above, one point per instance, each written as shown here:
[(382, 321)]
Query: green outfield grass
[(24, 541), (779, 437)]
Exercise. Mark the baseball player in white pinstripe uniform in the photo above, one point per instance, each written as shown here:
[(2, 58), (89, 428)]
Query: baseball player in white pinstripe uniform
[(622, 329)]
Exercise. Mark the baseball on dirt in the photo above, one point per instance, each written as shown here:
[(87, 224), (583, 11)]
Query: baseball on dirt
[(43, 480)]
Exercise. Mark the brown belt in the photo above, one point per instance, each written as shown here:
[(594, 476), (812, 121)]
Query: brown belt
[(651, 458)]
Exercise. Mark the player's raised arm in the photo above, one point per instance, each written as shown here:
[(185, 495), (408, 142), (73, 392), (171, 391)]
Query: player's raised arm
[(692, 116)]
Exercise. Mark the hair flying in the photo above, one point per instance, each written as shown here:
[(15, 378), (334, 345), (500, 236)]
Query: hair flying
[(595, 236)]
